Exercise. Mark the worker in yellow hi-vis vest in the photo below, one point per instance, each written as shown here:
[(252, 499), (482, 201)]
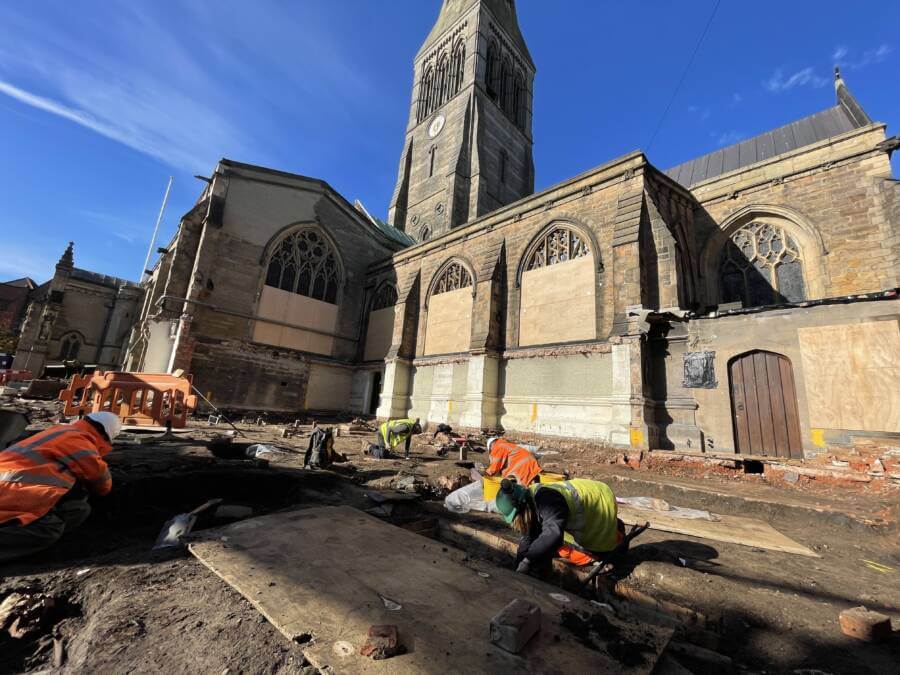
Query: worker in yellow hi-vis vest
[(575, 519), (394, 432)]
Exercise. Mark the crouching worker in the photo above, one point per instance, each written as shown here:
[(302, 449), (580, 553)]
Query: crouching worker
[(394, 432), (575, 519), (510, 460), (45, 481)]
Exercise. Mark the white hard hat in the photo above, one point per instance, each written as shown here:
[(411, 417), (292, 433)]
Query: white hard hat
[(110, 423), (491, 442)]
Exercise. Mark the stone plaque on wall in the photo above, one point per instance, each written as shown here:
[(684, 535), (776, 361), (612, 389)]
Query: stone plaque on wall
[(700, 370)]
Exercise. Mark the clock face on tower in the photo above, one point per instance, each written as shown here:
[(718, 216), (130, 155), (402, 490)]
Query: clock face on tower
[(437, 125)]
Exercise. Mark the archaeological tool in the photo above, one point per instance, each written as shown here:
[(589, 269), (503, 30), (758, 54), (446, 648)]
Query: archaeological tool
[(179, 373), (181, 525), (633, 533)]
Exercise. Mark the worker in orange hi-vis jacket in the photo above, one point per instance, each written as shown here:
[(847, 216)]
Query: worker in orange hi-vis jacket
[(510, 460), (46, 479)]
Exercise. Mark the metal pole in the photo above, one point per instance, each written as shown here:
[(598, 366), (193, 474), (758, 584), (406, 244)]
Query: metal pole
[(159, 218)]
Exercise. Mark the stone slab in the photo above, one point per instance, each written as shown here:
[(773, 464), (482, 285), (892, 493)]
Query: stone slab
[(324, 575)]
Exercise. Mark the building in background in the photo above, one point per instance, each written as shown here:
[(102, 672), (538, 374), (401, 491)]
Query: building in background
[(744, 301), (14, 297), (77, 316)]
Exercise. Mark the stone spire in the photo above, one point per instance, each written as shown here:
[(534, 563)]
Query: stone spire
[(503, 11), (67, 261)]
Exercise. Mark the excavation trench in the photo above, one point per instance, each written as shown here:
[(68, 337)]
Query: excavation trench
[(124, 526)]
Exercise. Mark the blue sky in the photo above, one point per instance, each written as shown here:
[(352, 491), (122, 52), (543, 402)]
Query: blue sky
[(102, 100)]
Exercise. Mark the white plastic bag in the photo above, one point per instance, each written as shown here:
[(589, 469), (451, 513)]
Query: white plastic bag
[(660, 506), (469, 498)]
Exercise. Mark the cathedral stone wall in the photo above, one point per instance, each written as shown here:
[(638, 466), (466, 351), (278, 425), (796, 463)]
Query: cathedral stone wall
[(252, 345), (831, 195), (782, 332)]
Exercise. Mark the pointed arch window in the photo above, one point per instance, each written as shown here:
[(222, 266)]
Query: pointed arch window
[(505, 98), (306, 264), (385, 297), (557, 246), (443, 81), (491, 68), (453, 278), (519, 99), (425, 94), (69, 348), (761, 265), (458, 67)]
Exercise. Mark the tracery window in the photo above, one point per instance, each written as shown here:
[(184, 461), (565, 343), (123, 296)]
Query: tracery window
[(761, 265), (304, 263), (558, 245), (69, 349), (453, 278), (385, 297)]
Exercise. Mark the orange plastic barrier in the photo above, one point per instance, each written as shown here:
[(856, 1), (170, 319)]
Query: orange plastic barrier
[(139, 399)]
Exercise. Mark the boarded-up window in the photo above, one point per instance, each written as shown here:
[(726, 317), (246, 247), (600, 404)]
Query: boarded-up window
[(380, 331), (851, 374), (449, 325), (295, 321), (558, 291)]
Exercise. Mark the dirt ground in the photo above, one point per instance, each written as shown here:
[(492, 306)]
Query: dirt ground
[(124, 608)]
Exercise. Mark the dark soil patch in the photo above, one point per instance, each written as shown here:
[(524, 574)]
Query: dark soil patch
[(596, 632)]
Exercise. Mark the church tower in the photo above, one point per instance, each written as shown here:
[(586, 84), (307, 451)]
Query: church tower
[(468, 148)]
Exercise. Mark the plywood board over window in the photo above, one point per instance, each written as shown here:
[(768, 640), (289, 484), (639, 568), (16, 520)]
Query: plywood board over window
[(449, 325), (300, 314), (851, 374), (558, 303), (380, 333)]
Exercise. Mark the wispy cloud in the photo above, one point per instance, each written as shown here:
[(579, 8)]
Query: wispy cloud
[(124, 229), (849, 59), (779, 82), (736, 98), (25, 260), (170, 94), (728, 137), (702, 113)]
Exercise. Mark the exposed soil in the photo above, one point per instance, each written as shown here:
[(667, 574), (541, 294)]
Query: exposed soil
[(125, 608)]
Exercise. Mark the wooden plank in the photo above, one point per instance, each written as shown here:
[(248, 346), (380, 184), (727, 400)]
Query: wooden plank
[(322, 576), (779, 416), (790, 408), (750, 389), (728, 529), (765, 403), (739, 409)]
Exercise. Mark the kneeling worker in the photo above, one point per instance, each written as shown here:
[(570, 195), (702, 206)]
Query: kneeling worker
[(43, 481), (512, 461), (394, 432), (575, 519)]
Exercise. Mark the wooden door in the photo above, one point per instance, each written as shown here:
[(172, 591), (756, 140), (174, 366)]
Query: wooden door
[(764, 405)]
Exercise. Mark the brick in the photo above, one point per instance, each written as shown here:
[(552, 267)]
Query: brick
[(864, 625), (513, 627), (382, 642)]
